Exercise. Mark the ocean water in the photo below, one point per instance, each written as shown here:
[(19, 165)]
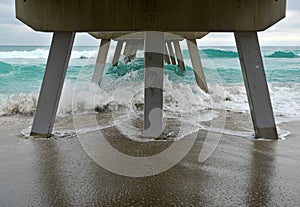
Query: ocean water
[(121, 91)]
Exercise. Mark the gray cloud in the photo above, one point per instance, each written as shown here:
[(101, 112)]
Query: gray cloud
[(293, 4)]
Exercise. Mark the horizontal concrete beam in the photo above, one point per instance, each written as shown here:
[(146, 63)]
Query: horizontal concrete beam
[(141, 35), (142, 15)]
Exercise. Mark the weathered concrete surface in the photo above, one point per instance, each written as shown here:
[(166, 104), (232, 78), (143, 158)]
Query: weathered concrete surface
[(57, 172), (142, 15)]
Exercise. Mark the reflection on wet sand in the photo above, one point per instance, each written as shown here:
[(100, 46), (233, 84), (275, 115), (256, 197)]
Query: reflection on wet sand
[(261, 173), (50, 187)]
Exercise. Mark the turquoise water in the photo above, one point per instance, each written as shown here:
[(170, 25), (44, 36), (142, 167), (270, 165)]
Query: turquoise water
[(22, 69)]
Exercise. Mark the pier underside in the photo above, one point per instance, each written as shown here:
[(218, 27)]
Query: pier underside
[(141, 15)]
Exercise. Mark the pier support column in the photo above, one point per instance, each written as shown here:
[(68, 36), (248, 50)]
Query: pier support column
[(140, 44), (256, 85), (171, 52), (197, 65), (153, 77), (167, 56), (101, 60), (52, 85), (128, 51), (117, 54), (179, 55), (134, 50)]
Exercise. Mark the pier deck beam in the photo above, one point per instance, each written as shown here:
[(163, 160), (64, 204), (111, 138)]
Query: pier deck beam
[(197, 65), (153, 100), (52, 85), (117, 54), (256, 85), (179, 55), (101, 60)]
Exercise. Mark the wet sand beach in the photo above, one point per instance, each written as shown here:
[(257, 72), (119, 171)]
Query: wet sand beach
[(58, 172)]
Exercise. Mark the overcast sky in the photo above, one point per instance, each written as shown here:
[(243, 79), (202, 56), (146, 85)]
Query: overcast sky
[(13, 32)]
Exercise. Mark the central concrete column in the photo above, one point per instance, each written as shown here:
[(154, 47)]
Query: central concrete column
[(153, 77), (52, 85), (256, 85)]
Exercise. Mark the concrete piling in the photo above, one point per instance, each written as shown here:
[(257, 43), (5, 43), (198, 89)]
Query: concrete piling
[(117, 53), (167, 56), (171, 52), (134, 50), (179, 55), (101, 60), (153, 78), (52, 85), (197, 65), (128, 51), (256, 85)]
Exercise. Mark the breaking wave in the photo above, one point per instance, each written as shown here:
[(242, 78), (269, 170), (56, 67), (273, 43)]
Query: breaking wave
[(219, 53), (282, 54)]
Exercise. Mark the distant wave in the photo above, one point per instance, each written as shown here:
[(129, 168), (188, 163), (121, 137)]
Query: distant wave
[(282, 54), (4, 66), (43, 54), (5, 69), (218, 53)]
